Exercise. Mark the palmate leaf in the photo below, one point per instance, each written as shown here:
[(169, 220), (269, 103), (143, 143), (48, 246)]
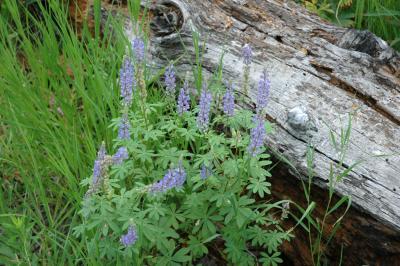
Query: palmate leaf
[(188, 134), (220, 198), (168, 232), (259, 186), (205, 219), (144, 155), (238, 209), (173, 217), (154, 135), (260, 218), (196, 246), (243, 214), (165, 241), (180, 256), (193, 201), (273, 239), (201, 159), (149, 230), (257, 168), (166, 247), (237, 252), (163, 261), (256, 235), (216, 140), (272, 260), (167, 156), (230, 167), (155, 210), (219, 152), (169, 126), (122, 171), (144, 172), (244, 201)]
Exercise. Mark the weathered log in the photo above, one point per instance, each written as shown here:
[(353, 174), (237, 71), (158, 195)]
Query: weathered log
[(320, 72)]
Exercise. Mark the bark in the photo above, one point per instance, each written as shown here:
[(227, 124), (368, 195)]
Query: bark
[(320, 72)]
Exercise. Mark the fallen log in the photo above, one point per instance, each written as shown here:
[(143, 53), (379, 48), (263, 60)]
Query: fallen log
[(321, 73)]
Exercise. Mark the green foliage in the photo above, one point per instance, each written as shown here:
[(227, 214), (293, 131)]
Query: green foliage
[(271, 260), (176, 226), (381, 17)]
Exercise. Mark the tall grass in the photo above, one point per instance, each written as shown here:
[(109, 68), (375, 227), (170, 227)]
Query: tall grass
[(381, 17), (57, 95)]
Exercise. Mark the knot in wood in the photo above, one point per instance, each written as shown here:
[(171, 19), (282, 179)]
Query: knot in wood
[(167, 18), (299, 119), (366, 42)]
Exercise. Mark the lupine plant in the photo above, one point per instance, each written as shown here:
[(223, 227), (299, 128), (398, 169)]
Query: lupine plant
[(182, 178)]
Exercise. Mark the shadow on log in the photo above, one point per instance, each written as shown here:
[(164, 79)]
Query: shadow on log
[(324, 71)]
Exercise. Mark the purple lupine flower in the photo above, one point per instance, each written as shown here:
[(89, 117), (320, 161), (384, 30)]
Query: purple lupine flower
[(247, 54), (257, 136), (174, 178), (263, 91), (204, 112), (180, 174), (101, 154), (183, 99), (229, 101), (205, 172), (130, 237), (169, 77), (124, 128), (127, 80), (96, 171), (120, 156), (138, 49)]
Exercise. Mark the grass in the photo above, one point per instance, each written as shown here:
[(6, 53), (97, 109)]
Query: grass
[(381, 17), (57, 100)]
